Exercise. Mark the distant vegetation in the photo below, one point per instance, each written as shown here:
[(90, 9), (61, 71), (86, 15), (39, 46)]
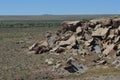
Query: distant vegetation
[(42, 21), (30, 23)]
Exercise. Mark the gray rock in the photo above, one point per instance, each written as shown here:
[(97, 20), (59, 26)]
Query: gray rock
[(97, 49)]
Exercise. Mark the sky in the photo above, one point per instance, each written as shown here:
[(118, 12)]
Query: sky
[(59, 7)]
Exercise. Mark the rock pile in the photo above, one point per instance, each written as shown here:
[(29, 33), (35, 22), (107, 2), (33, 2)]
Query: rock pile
[(98, 36)]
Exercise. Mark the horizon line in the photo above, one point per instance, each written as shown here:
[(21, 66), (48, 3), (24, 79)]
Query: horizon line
[(52, 14)]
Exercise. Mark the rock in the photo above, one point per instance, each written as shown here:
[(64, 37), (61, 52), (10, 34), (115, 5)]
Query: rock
[(49, 61), (60, 50), (68, 42), (87, 36), (97, 26), (66, 36), (45, 43), (41, 49), (100, 32), (103, 21), (113, 53), (74, 51), (48, 34), (33, 46), (52, 40), (58, 32), (79, 31), (116, 63), (119, 28), (111, 33), (87, 43), (54, 49), (103, 62), (118, 53), (108, 49), (70, 25), (92, 25), (116, 23), (97, 49), (64, 43), (106, 22), (73, 67), (95, 21), (58, 65), (117, 39), (119, 46), (83, 52)]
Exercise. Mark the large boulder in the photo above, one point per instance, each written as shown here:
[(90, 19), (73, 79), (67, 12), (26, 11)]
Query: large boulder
[(103, 21), (70, 25), (70, 41), (106, 22), (79, 31), (116, 23), (100, 32)]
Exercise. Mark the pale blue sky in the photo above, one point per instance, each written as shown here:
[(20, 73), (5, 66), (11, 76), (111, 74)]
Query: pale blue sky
[(59, 7)]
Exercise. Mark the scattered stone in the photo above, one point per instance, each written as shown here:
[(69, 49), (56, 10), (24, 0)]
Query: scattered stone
[(33, 46), (73, 66), (49, 61)]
